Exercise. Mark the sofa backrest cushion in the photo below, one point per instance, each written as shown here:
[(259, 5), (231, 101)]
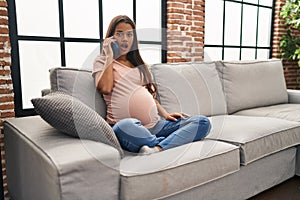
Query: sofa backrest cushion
[(80, 84), (193, 88), (250, 84)]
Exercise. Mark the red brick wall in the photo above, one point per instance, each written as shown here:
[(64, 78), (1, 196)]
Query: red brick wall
[(185, 26), (6, 87), (291, 69)]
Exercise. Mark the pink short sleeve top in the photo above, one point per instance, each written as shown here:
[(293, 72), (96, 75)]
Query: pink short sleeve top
[(129, 98)]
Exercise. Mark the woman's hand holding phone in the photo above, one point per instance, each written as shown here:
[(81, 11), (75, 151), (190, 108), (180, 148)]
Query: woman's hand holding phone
[(115, 49), (110, 47)]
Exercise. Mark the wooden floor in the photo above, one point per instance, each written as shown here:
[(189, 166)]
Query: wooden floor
[(288, 190)]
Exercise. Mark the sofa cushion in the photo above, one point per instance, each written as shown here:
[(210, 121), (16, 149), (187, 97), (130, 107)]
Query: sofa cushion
[(250, 84), (257, 137), (162, 174), (71, 116), (193, 88), (42, 163), (80, 84), (283, 111)]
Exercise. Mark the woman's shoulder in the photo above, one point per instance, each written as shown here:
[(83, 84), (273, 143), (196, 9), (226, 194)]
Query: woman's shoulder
[(100, 58), (98, 64)]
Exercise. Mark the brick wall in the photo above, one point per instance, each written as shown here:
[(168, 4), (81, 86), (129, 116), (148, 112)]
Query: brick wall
[(279, 28), (291, 69), (6, 88), (185, 26)]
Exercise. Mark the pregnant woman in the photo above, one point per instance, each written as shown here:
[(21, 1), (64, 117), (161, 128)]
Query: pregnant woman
[(129, 92)]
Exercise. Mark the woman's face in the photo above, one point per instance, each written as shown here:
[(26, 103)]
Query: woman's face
[(124, 36)]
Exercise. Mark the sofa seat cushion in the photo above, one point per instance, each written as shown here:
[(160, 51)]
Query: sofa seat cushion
[(193, 88), (165, 173), (257, 137), (283, 111)]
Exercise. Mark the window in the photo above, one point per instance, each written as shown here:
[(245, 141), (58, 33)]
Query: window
[(52, 33), (238, 30)]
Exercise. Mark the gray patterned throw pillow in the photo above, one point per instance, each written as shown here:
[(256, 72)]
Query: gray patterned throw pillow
[(71, 116)]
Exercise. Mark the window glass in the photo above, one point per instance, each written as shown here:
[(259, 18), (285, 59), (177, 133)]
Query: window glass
[(266, 2), (150, 53), (112, 8), (81, 55), (231, 53), (148, 20), (248, 54), (251, 1), (36, 58), (263, 54), (212, 53), (213, 21), (149, 34), (81, 19), (239, 42), (249, 25), (89, 60), (232, 23), (38, 18), (264, 27)]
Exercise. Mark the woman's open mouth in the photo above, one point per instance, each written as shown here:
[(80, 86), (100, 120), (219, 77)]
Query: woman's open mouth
[(124, 46)]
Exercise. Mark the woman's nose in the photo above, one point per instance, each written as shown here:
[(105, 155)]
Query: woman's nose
[(125, 38)]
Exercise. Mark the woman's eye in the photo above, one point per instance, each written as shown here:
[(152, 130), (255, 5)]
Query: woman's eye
[(120, 34), (129, 34)]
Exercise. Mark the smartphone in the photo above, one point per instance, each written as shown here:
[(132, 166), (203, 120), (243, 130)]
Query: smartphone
[(115, 48)]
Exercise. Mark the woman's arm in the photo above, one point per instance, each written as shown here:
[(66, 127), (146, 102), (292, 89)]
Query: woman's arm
[(104, 80), (165, 114)]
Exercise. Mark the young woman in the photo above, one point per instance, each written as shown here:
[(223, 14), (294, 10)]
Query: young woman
[(129, 93)]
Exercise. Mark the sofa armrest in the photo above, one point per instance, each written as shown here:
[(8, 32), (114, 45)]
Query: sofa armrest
[(43, 163), (294, 96)]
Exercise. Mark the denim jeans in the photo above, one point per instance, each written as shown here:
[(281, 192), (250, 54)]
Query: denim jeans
[(132, 135)]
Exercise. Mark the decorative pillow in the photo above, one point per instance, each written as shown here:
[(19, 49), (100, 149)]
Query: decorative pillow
[(71, 116)]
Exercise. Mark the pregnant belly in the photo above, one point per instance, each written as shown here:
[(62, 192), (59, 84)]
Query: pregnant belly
[(142, 107)]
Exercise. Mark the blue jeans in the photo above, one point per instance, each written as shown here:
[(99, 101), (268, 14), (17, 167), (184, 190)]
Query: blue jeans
[(132, 135)]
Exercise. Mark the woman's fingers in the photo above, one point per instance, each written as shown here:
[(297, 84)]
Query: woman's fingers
[(107, 46), (174, 116), (177, 115)]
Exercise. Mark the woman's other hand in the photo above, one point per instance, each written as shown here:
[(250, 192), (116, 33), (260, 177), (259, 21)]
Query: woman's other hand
[(174, 116)]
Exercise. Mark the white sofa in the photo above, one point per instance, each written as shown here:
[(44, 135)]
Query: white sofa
[(252, 146)]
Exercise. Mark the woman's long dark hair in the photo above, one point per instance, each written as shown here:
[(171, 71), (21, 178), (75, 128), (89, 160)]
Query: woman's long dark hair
[(134, 54)]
